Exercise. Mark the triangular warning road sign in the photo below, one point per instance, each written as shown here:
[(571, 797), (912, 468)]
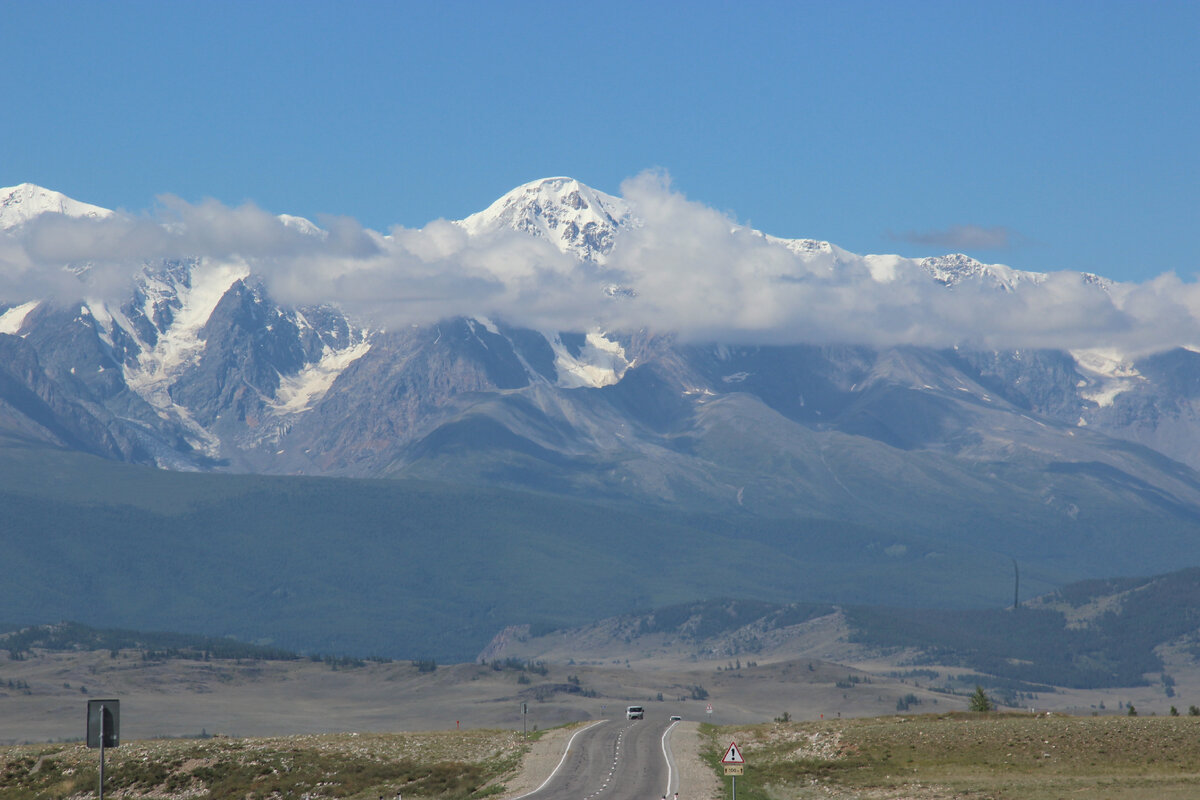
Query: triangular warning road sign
[(733, 755)]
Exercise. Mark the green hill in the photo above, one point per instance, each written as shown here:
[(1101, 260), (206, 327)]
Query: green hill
[(1090, 634)]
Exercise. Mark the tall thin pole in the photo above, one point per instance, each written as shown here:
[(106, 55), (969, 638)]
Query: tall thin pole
[(103, 733)]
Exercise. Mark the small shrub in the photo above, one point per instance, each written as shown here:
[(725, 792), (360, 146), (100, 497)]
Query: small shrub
[(980, 701)]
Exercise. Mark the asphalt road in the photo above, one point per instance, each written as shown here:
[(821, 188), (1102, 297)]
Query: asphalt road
[(615, 760)]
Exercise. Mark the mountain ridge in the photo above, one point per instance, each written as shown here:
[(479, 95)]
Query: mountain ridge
[(907, 457), (165, 347), (21, 203)]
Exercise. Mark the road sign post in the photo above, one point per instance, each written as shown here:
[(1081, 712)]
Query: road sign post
[(735, 765), (103, 730)]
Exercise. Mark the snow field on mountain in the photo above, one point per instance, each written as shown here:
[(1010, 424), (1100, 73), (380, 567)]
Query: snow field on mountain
[(600, 362), (180, 345), (12, 319), (20, 204), (1111, 371), (297, 393)]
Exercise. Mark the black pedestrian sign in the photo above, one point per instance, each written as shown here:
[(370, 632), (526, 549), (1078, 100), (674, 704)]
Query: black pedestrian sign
[(104, 723), (733, 755)]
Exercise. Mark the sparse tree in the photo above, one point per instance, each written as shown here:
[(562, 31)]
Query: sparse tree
[(1132, 711), (980, 701), (1174, 711)]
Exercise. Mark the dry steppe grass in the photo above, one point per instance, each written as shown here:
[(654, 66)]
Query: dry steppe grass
[(452, 765), (178, 697), (866, 752), (938, 757), (925, 757)]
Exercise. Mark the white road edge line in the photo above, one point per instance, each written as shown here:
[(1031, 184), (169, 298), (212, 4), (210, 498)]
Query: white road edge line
[(561, 760), (666, 748)]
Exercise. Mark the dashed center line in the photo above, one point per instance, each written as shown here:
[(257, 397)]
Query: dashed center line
[(612, 771)]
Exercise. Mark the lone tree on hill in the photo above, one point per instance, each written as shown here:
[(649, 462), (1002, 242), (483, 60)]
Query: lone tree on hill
[(980, 701)]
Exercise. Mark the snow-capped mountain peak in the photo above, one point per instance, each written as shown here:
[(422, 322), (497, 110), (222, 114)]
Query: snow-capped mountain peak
[(576, 218), (305, 226), (802, 247), (19, 204), (955, 268)]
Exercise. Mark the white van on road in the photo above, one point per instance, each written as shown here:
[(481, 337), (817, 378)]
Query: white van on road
[(635, 712)]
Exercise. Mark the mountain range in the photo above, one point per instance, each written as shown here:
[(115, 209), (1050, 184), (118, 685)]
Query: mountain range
[(1078, 463)]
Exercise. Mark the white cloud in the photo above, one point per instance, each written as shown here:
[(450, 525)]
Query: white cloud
[(695, 271), (961, 237)]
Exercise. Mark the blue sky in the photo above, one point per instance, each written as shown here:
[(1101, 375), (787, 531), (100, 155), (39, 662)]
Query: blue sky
[(1042, 135)]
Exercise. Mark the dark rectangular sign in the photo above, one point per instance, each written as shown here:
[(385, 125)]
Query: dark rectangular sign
[(104, 721)]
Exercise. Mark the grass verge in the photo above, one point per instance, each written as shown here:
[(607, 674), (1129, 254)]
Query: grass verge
[(931, 757), (454, 765)]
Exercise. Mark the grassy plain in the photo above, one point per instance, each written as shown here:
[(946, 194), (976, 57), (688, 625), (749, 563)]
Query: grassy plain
[(925, 757), (962, 755), (283, 726), (450, 765)]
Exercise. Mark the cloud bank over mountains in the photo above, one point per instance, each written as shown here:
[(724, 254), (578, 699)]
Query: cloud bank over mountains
[(685, 268)]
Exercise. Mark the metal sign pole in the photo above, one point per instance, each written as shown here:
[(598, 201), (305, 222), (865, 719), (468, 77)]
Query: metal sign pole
[(103, 732), (734, 788)]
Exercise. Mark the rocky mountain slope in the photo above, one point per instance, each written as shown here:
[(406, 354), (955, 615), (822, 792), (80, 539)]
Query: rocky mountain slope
[(1065, 458), (200, 368)]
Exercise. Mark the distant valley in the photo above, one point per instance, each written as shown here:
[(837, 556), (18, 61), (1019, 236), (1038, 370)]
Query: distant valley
[(1094, 647)]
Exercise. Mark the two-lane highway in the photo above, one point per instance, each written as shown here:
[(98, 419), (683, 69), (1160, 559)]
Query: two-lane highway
[(614, 760)]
